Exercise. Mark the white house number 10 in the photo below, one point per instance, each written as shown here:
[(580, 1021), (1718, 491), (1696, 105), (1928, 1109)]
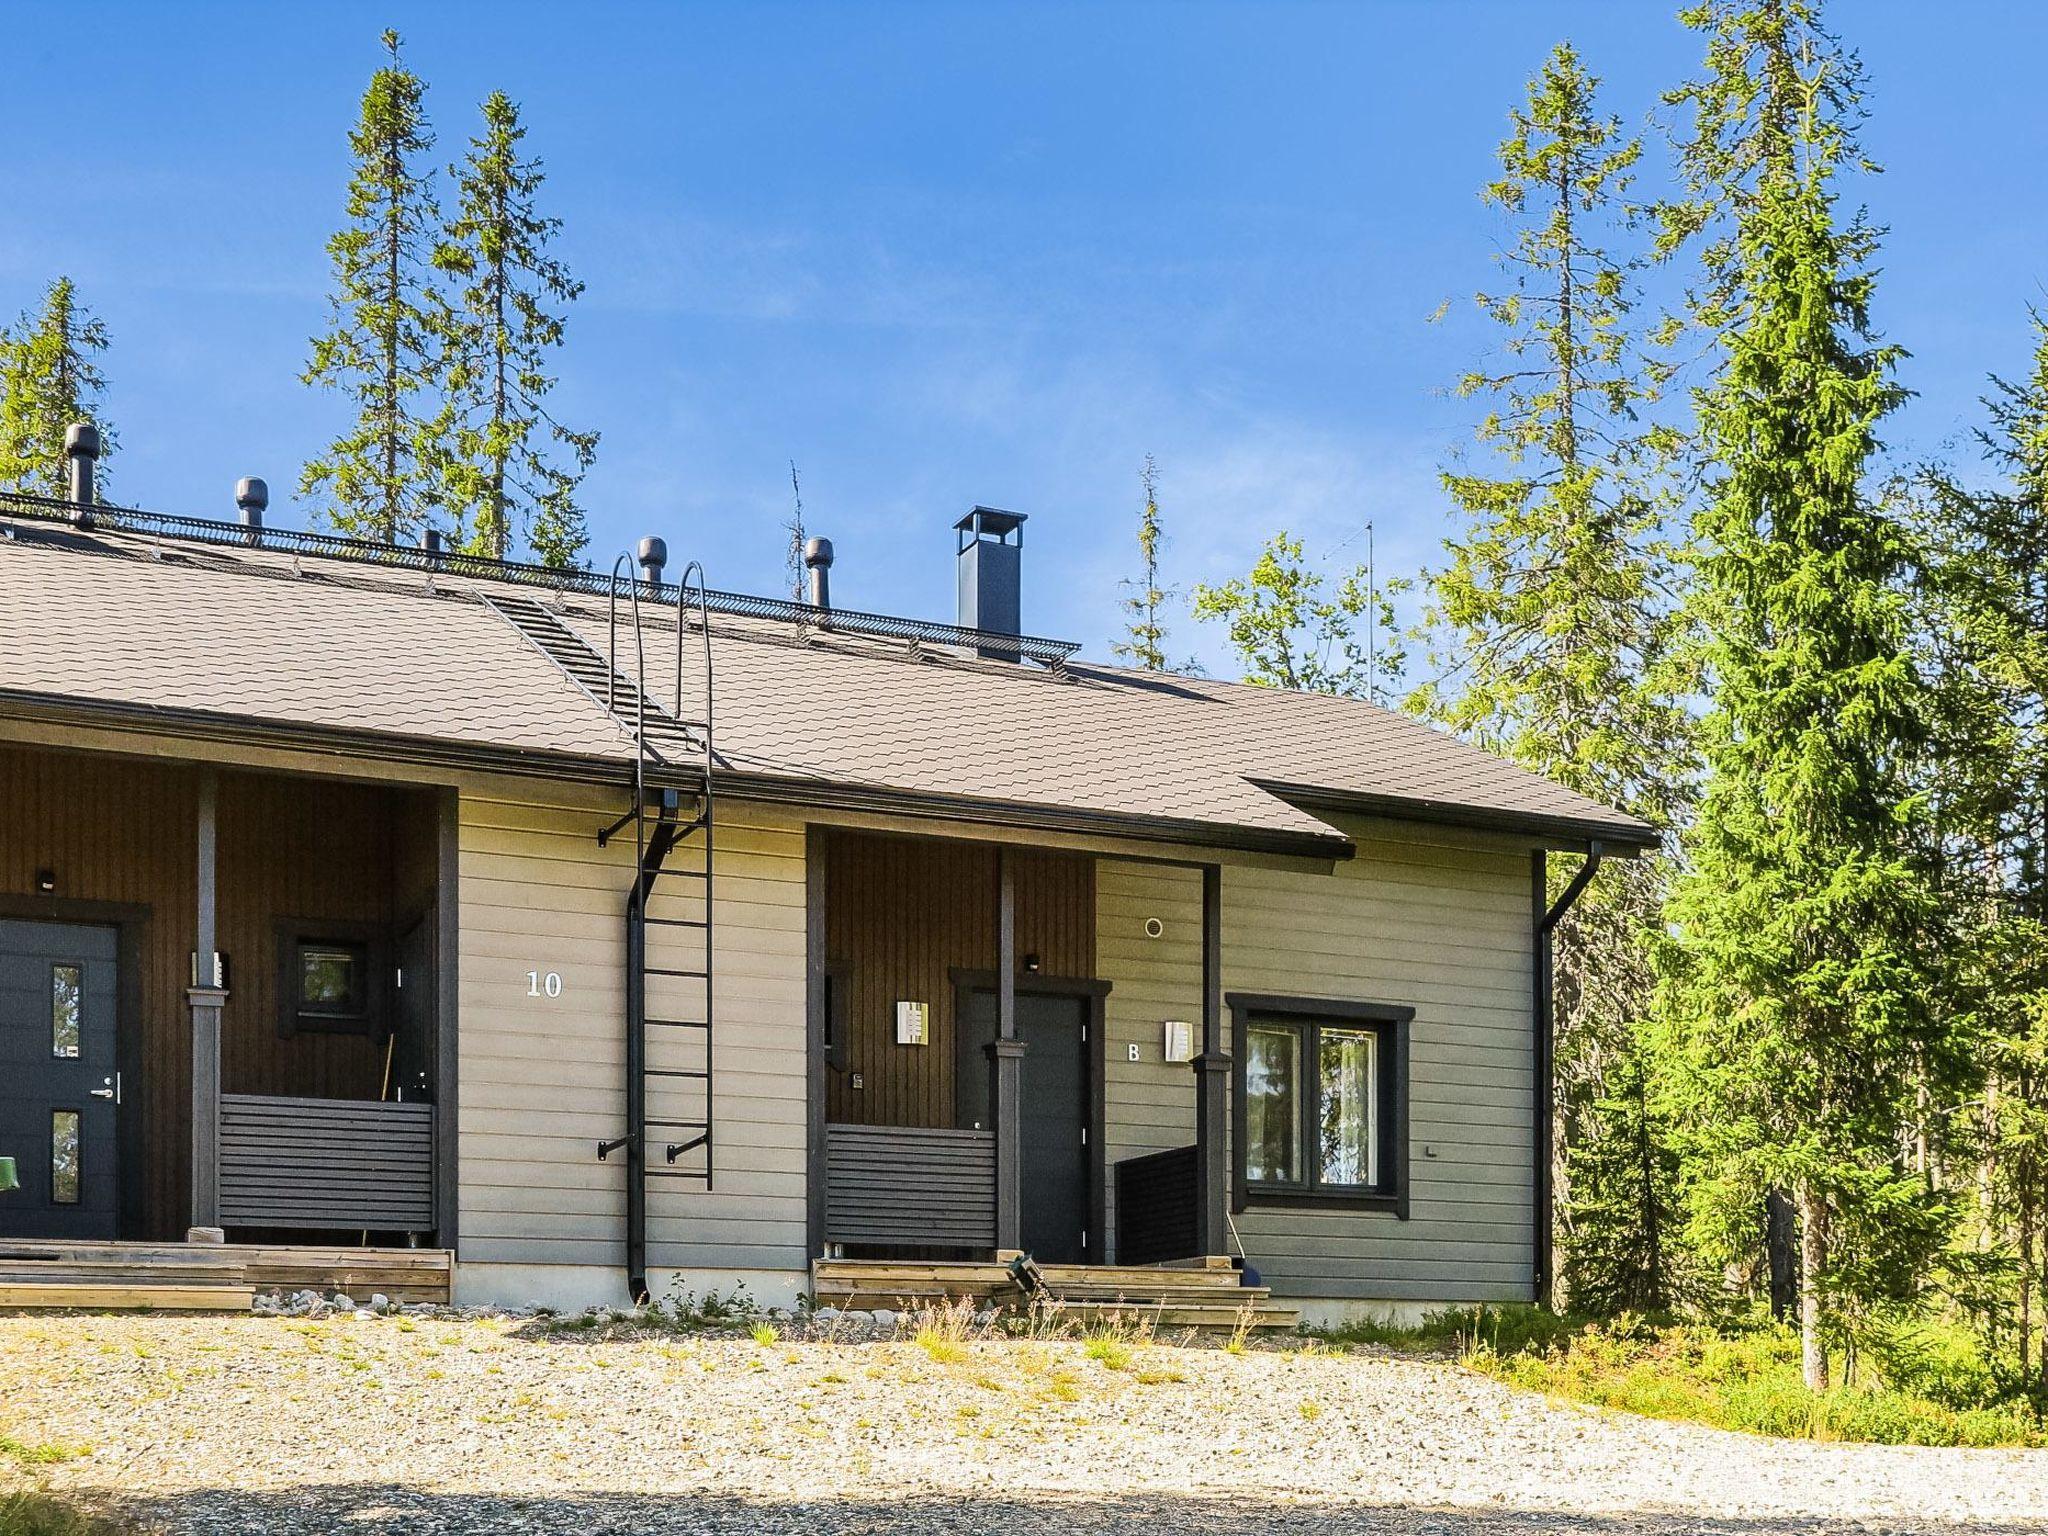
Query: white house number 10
[(543, 983)]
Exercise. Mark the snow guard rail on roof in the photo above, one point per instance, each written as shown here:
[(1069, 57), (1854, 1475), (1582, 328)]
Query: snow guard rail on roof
[(1052, 654)]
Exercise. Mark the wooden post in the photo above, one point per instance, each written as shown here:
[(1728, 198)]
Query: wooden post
[(207, 997), (1212, 1083), (447, 1004), (1006, 1066), (1540, 1069)]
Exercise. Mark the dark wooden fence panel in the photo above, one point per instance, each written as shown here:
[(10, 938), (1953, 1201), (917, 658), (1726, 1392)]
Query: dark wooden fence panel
[(1155, 1207), (902, 1184), (333, 1163)]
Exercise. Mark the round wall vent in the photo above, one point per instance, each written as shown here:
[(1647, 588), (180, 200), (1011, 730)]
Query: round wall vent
[(1154, 928)]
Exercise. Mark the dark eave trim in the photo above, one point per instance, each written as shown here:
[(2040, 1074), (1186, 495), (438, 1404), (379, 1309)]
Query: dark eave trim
[(297, 736), (390, 747), (1622, 837), (824, 795)]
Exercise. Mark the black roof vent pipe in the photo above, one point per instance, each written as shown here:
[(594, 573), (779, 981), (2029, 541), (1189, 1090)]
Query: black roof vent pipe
[(818, 561), (252, 497), (81, 459), (433, 543), (653, 556), (991, 557)]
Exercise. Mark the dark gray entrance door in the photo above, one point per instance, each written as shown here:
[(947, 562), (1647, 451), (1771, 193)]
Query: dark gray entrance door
[(1053, 1027), (58, 1079)]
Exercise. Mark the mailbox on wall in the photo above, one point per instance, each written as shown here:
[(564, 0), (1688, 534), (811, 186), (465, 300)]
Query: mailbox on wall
[(1177, 1042)]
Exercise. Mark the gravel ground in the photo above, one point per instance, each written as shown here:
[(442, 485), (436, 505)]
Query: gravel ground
[(502, 1425)]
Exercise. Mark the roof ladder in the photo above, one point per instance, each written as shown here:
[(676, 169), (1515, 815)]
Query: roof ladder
[(670, 1093)]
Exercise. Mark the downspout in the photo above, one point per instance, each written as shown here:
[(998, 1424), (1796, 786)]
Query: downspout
[(1546, 915)]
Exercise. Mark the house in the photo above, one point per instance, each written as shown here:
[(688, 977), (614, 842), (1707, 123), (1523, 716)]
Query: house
[(606, 934)]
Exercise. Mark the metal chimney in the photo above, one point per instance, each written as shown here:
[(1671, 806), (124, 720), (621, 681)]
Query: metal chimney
[(653, 556), (818, 561), (991, 557), (252, 496), (434, 543), (81, 459)]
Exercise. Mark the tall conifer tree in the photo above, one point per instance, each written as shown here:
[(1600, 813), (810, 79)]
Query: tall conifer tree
[(384, 352), (513, 469), (1798, 1001), (1990, 596), (50, 378), (1555, 617)]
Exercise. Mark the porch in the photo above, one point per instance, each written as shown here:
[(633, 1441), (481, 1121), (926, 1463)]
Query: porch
[(959, 1095), (221, 1001)]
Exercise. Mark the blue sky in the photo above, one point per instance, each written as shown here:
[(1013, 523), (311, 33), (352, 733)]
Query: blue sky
[(946, 254)]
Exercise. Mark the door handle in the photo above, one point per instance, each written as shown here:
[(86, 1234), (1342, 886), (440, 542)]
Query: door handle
[(110, 1090)]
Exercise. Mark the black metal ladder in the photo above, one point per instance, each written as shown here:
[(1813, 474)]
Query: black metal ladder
[(680, 1120)]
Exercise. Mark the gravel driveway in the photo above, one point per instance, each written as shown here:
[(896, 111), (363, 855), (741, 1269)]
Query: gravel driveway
[(468, 1426)]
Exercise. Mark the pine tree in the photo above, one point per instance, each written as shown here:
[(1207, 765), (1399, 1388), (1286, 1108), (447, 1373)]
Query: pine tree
[(1797, 997), (504, 481), (1292, 629), (50, 378), (1555, 625), (1144, 642), (380, 479)]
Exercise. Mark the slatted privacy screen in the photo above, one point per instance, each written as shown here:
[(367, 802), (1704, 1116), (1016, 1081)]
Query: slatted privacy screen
[(332, 1163), (902, 1184), (1155, 1207)]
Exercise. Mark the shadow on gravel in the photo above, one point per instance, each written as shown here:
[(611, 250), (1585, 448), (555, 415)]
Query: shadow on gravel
[(369, 1508)]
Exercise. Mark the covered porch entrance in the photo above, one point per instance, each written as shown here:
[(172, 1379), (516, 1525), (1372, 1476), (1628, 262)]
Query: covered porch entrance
[(958, 1087), (222, 1012)]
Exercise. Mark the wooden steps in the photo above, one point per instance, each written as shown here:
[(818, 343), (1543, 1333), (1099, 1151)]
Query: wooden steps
[(114, 1296), (218, 1270), (1192, 1294)]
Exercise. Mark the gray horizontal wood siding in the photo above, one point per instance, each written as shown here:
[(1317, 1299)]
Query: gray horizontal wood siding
[(1436, 920), (904, 1184), (543, 1078), (331, 1163)]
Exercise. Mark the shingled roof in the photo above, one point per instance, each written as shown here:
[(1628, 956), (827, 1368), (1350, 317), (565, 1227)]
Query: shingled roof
[(125, 625)]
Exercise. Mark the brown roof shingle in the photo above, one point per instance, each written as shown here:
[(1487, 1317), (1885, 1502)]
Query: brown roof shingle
[(131, 624)]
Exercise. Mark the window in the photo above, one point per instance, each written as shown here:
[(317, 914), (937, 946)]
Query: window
[(328, 981), (67, 989), (331, 980), (1319, 1111)]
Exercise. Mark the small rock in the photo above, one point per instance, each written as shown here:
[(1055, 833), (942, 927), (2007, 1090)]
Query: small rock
[(380, 1303)]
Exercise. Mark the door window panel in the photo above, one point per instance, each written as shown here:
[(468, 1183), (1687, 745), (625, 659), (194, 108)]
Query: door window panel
[(67, 992), (64, 1157)]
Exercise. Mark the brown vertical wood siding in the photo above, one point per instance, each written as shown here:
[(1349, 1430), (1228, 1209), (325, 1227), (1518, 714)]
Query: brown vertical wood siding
[(122, 830), (900, 915)]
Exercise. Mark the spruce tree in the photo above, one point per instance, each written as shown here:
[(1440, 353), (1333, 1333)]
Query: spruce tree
[(50, 378), (1797, 997), (384, 351), (1989, 598), (1554, 630), (513, 469), (1144, 642)]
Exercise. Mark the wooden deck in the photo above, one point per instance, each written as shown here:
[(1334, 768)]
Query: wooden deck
[(1196, 1293), (42, 1272)]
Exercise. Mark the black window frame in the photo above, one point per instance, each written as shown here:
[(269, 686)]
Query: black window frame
[(367, 940), (1390, 1022)]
